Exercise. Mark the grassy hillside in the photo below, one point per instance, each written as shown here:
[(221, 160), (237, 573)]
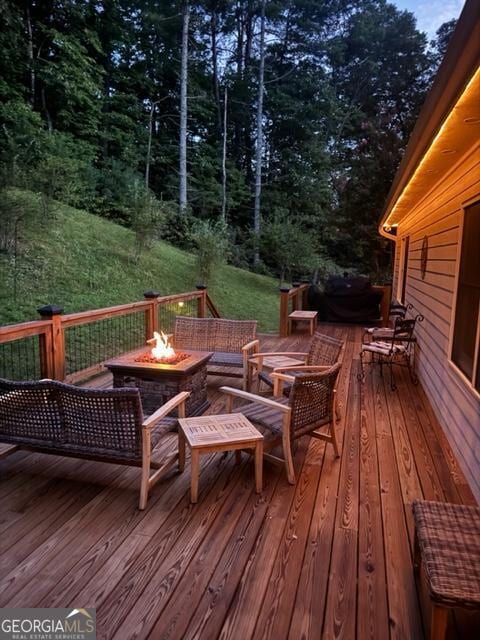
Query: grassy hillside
[(81, 261)]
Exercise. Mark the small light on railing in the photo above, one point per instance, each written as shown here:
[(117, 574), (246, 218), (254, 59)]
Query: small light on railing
[(180, 304)]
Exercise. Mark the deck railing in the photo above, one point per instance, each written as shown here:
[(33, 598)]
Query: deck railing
[(74, 346), (295, 299)]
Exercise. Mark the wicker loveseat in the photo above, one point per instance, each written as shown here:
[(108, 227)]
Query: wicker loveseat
[(97, 424), (232, 342)]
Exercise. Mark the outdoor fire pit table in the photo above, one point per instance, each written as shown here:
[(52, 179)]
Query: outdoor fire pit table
[(159, 382)]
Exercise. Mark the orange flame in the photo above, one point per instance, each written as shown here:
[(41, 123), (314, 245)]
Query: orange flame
[(163, 348)]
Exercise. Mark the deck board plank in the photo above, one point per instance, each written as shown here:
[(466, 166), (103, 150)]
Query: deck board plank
[(311, 598), (328, 558), (372, 621), (341, 606)]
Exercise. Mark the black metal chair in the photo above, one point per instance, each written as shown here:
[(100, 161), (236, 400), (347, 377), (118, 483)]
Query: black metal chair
[(395, 347)]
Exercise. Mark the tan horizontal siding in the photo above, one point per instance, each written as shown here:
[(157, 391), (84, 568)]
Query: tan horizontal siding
[(426, 304), (436, 225), (439, 216), (436, 293), (441, 239), (440, 280), (443, 252), (459, 443)]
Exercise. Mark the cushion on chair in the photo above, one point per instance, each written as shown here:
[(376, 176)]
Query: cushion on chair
[(267, 379), (267, 417), (384, 348), (226, 359), (449, 540), (381, 332), (163, 427)]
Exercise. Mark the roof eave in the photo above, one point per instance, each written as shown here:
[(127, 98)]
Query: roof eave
[(458, 66)]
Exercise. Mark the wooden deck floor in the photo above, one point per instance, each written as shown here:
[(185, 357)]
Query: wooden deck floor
[(328, 558)]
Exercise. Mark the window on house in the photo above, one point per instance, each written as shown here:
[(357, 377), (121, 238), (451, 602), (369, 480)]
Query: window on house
[(403, 275), (466, 330)]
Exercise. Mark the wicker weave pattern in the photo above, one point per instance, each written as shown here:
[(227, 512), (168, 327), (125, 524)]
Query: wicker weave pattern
[(102, 421), (61, 417), (30, 412), (311, 398), (213, 334), (449, 540), (324, 350)]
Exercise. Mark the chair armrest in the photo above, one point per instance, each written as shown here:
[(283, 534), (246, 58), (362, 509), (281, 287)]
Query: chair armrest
[(282, 376), (162, 412), (302, 368), (245, 395), (278, 380), (252, 346), (248, 351), (296, 354)]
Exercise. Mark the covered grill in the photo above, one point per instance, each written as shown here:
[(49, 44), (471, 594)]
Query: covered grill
[(346, 299)]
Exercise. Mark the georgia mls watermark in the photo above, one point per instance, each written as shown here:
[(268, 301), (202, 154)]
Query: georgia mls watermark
[(47, 624)]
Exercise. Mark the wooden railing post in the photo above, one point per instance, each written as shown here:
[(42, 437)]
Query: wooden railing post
[(385, 304), (151, 313), (54, 364), (305, 287), (296, 302), (202, 301), (284, 297), (46, 354)]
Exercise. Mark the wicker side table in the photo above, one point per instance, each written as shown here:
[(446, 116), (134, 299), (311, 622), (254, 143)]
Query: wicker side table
[(207, 434), (447, 543)]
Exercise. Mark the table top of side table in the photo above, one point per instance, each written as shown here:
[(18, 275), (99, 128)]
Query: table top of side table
[(221, 430), (303, 315)]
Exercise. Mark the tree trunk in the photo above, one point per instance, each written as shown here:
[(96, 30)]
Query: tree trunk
[(46, 111), (259, 146), (224, 159), (237, 120), (149, 144), (216, 90), (248, 35), (183, 110), (30, 54)]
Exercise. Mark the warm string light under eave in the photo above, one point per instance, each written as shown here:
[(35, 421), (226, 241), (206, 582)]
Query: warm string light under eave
[(437, 149)]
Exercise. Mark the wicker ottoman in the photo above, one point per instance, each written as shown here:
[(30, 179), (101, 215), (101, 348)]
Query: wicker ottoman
[(447, 541)]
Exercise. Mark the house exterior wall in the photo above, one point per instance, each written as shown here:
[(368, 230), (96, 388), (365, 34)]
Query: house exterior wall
[(439, 216)]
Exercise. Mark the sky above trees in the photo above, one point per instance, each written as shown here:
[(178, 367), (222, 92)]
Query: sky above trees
[(430, 14)]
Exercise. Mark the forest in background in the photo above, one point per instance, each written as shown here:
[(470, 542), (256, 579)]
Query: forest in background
[(274, 143)]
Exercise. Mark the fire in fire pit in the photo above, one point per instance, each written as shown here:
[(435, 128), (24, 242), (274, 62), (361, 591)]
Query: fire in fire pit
[(162, 352)]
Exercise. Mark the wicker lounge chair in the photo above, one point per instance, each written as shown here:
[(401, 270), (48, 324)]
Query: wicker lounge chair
[(324, 351), (309, 409), (232, 342), (106, 425), (447, 542)]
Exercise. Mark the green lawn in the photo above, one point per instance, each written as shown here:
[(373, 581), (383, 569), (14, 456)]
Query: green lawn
[(81, 261)]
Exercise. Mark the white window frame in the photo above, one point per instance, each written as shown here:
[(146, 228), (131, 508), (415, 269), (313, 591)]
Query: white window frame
[(469, 383)]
